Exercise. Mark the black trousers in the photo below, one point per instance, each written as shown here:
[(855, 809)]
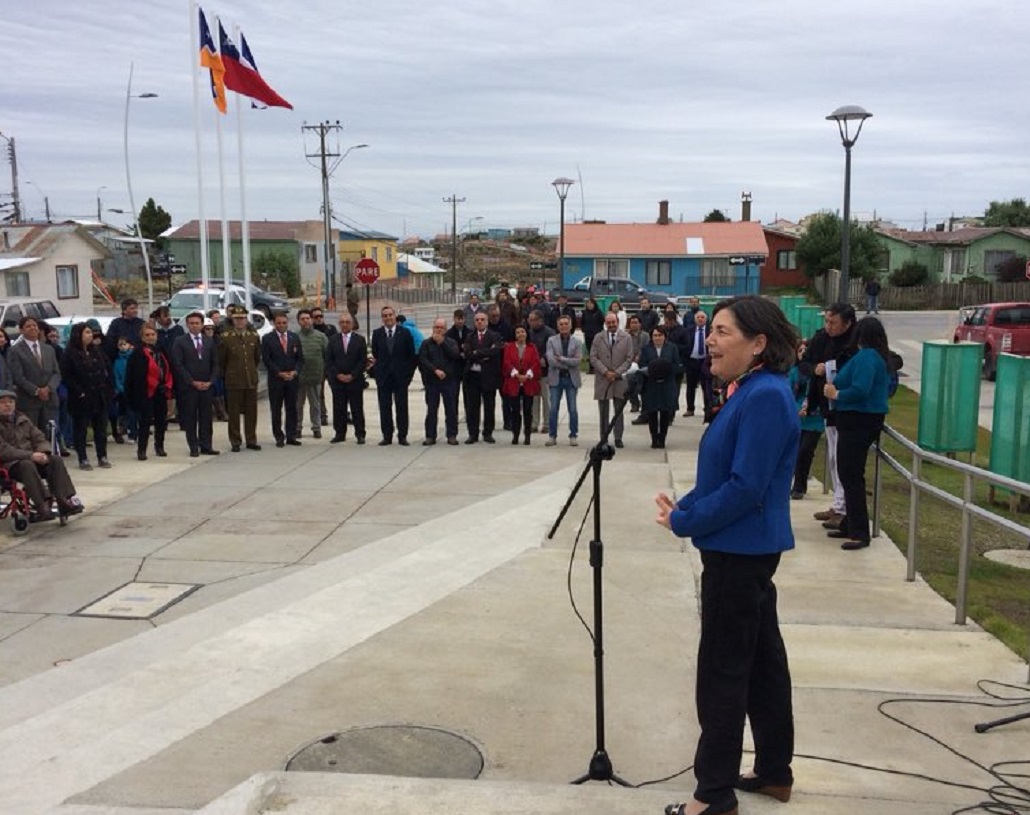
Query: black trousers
[(741, 671), (196, 417), (98, 421), (348, 401), (806, 453), (393, 396), (447, 392), (520, 408), (155, 411), (658, 422), (692, 373), (31, 476), (477, 397), (281, 395), (856, 433)]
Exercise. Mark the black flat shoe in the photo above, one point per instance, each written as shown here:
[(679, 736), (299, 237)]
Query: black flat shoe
[(836, 533), (253, 446), (852, 545), (746, 783), (727, 808)]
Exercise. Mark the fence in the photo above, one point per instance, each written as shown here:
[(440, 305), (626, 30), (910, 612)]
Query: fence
[(936, 296)]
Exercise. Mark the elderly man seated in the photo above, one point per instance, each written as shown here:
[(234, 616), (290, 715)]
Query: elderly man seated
[(25, 452)]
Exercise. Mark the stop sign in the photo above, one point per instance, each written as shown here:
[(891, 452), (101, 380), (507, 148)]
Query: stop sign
[(367, 271)]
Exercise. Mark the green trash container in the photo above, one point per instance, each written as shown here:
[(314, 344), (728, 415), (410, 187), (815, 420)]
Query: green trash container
[(949, 396), (604, 301), (789, 304), (808, 320), (1010, 433)]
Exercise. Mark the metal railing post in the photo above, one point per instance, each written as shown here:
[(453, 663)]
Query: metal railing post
[(913, 515), (964, 551), (877, 479)]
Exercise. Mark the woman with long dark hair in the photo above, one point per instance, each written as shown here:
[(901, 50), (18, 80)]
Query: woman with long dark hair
[(520, 382), (738, 516), (659, 365), (85, 371), (859, 392), (591, 321), (148, 387)]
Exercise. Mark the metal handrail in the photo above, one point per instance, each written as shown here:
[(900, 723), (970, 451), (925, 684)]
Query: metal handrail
[(970, 510)]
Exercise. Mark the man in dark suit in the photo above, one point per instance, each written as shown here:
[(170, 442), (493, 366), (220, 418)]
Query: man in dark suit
[(694, 351), (35, 374), (482, 378), (346, 357), (284, 358), (393, 349), (195, 368)]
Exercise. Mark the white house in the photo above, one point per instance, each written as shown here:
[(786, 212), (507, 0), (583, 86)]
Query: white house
[(50, 261)]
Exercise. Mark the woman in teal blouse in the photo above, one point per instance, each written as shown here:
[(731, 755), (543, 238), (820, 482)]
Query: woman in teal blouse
[(860, 392)]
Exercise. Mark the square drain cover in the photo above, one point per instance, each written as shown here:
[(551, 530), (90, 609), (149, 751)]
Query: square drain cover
[(138, 601)]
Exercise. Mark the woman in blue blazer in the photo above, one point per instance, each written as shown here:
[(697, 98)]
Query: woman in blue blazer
[(738, 515), (860, 395)]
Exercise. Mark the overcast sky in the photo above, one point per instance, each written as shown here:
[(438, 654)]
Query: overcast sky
[(491, 101)]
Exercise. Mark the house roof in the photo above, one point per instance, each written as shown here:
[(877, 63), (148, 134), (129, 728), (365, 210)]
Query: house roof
[(963, 236), (417, 265), (258, 230), (666, 240), (14, 263), (366, 235), (41, 239)]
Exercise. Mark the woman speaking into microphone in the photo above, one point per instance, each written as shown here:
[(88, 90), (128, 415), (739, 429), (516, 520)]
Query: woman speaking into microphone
[(738, 516)]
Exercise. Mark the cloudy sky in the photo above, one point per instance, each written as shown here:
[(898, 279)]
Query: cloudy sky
[(641, 101)]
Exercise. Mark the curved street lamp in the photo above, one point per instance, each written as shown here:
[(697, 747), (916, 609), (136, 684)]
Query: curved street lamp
[(129, 96), (561, 186), (844, 116)]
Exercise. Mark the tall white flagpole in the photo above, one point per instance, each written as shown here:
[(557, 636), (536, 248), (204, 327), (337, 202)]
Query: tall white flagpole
[(205, 273), (226, 237), (244, 225)]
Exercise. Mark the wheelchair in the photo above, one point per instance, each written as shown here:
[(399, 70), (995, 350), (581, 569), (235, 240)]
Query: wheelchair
[(16, 508)]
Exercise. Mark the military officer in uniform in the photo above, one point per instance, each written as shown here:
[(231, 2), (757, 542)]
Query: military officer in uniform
[(239, 352)]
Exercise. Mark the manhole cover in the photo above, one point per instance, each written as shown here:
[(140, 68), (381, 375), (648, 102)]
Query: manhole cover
[(404, 750)]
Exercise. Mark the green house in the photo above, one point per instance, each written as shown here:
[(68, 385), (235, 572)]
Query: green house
[(953, 256)]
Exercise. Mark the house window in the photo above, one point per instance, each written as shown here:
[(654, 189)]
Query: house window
[(17, 284), (375, 253), (716, 272), (957, 264), (659, 273), (389, 254), (786, 259), (311, 253), (995, 258), (67, 282), (606, 267)]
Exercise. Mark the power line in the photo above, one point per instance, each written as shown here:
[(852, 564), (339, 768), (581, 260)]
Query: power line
[(323, 129), (454, 201)]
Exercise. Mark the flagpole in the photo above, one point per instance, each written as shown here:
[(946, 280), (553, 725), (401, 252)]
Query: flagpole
[(226, 237), (244, 225), (205, 273)]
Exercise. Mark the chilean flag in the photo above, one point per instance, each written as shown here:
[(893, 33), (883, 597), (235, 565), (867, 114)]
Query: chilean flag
[(243, 78)]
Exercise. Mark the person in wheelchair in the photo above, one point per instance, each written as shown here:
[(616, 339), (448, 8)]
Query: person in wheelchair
[(25, 452)]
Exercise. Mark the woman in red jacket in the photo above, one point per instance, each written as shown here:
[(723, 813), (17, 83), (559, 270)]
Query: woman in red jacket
[(520, 382), (148, 386)]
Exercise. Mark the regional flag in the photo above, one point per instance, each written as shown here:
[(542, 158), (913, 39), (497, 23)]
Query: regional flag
[(210, 59), (244, 79)]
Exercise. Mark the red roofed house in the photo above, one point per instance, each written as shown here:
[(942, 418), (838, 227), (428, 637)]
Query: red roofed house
[(671, 258)]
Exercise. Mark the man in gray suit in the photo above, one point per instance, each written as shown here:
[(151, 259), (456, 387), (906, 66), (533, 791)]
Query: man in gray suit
[(195, 367), (35, 374), (611, 354), (564, 353)]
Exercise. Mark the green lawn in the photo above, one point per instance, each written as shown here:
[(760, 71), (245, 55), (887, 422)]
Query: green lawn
[(998, 597)]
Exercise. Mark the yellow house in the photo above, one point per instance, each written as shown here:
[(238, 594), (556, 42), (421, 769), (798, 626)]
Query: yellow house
[(378, 246)]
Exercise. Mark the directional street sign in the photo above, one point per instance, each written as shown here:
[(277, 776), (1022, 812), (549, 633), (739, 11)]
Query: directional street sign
[(178, 268), (536, 265)]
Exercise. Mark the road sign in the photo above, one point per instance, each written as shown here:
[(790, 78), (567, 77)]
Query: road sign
[(366, 271), (536, 265), (1028, 270), (178, 268)]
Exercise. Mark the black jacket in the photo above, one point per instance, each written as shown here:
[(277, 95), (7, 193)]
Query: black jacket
[(444, 356), (87, 376), (487, 355)]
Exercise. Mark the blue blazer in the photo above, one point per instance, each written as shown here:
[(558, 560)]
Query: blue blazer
[(741, 500)]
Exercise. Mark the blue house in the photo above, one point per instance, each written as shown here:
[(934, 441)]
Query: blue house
[(720, 259)]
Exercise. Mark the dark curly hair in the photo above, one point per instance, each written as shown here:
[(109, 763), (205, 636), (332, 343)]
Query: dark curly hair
[(755, 315)]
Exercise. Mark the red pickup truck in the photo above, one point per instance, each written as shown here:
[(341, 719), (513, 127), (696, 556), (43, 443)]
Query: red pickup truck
[(1003, 328)]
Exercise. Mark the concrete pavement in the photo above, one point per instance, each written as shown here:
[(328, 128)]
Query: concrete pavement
[(343, 587)]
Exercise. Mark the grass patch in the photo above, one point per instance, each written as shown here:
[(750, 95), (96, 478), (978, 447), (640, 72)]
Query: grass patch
[(998, 596)]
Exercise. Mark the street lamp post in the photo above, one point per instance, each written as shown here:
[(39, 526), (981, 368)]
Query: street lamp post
[(350, 272), (129, 96), (100, 208), (561, 186), (843, 116)]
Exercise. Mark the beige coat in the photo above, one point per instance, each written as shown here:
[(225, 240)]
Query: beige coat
[(604, 357)]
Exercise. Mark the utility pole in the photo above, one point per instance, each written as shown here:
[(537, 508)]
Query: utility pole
[(454, 200), (323, 129), (14, 177)]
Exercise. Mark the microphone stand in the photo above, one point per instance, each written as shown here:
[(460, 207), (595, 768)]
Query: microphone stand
[(983, 727), (600, 768)]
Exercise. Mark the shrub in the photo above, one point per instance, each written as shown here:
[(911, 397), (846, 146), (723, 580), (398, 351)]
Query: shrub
[(911, 273)]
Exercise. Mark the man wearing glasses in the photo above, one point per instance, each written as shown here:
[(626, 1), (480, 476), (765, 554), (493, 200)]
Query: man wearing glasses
[(319, 324)]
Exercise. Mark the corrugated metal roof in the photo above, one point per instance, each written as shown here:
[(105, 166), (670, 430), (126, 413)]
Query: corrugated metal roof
[(665, 240), (14, 263)]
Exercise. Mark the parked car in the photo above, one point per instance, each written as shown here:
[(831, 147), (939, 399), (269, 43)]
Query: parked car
[(1003, 328), (261, 300), (192, 299), (628, 291), (12, 309)]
